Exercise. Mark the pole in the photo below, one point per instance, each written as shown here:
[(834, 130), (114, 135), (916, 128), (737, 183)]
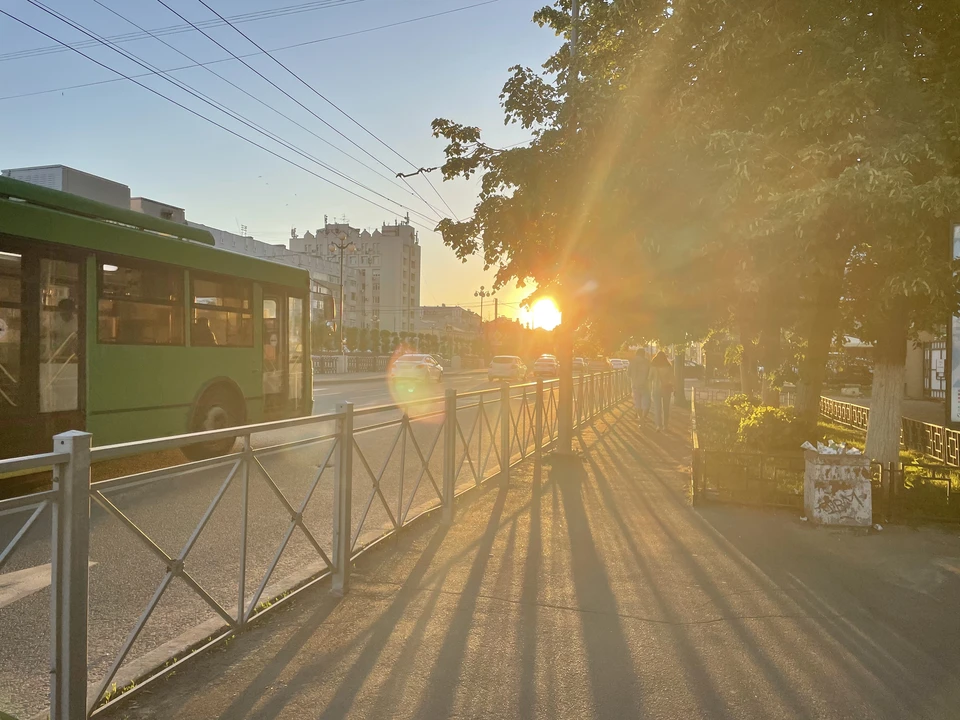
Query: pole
[(69, 586), (574, 26), (565, 402), (449, 454), (504, 433), (342, 496), (565, 329), (496, 309)]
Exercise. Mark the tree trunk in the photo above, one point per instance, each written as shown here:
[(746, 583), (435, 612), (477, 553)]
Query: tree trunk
[(748, 365), (813, 367), (890, 354), (770, 357)]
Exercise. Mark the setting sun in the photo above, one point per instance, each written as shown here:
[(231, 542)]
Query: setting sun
[(545, 314)]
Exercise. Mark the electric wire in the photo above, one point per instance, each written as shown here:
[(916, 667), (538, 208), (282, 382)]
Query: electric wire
[(277, 87), (200, 115), (178, 29), (213, 103), (328, 101), (253, 97), (341, 36)]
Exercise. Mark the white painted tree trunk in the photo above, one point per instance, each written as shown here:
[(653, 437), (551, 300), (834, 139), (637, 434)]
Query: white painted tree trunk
[(883, 431)]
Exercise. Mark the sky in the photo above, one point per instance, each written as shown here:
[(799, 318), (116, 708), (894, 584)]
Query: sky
[(394, 81)]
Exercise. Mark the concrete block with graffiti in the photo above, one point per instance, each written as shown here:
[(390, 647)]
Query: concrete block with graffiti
[(836, 489)]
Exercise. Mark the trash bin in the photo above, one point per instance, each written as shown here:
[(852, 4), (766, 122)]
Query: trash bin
[(836, 488)]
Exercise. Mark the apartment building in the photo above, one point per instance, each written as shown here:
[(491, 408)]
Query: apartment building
[(382, 272)]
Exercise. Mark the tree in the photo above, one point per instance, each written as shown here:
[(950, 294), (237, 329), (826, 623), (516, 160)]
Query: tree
[(350, 338), (721, 164)]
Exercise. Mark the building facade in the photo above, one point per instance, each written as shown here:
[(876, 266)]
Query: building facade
[(382, 273)]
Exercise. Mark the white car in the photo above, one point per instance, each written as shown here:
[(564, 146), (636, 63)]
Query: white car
[(507, 367), (421, 368), (546, 366), (619, 364)]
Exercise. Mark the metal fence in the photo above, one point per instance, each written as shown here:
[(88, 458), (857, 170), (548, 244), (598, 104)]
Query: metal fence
[(915, 490), (212, 544), (902, 492), (328, 364), (935, 441)]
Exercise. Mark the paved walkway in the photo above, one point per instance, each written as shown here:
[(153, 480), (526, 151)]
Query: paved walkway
[(596, 591)]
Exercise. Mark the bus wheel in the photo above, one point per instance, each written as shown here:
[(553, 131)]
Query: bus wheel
[(216, 410)]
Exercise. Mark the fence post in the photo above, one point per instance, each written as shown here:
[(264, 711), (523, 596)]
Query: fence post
[(538, 429), (342, 495), (505, 433), (695, 476), (449, 454), (891, 489), (69, 575)]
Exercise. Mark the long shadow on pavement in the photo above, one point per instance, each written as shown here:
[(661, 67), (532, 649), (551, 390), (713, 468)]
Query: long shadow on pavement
[(613, 678), (891, 672), (438, 703), (379, 636)]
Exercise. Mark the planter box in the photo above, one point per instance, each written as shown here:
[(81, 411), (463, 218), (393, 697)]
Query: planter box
[(836, 489)]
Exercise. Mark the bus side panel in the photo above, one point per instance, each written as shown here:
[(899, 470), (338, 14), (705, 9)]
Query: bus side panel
[(140, 392)]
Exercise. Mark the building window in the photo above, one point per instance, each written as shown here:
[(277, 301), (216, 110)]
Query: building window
[(222, 312), (140, 305)]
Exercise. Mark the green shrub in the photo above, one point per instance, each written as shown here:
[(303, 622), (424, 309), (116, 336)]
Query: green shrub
[(770, 429), (742, 405), (717, 426)]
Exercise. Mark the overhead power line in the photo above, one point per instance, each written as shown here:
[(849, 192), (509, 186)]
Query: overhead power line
[(330, 103), (306, 43), (178, 29), (200, 115), (277, 87), (216, 105), (253, 97)]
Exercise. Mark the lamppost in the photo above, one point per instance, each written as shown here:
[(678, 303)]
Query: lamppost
[(481, 293), (342, 246)]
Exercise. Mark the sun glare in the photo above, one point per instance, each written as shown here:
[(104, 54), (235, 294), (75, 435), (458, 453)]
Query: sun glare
[(545, 314)]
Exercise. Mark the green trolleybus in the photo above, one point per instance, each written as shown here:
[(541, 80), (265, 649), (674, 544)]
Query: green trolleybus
[(131, 327)]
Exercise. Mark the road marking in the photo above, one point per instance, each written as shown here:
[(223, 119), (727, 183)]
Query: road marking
[(19, 584)]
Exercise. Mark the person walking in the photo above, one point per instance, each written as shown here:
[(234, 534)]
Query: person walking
[(639, 372), (661, 388)]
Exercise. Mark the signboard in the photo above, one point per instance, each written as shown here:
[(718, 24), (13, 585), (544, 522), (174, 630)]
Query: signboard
[(953, 347)]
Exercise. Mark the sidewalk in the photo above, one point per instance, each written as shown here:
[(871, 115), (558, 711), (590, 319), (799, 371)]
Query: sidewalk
[(597, 592), (350, 378)]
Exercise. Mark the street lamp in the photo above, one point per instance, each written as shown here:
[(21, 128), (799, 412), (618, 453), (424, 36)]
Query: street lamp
[(342, 246), (481, 293)]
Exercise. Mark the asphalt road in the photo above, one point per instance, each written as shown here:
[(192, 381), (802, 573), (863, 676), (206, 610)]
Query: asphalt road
[(125, 573)]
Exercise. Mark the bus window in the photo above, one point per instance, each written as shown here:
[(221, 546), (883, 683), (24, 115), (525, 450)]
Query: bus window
[(10, 271), (59, 342), (295, 347), (140, 306), (272, 372), (222, 312)]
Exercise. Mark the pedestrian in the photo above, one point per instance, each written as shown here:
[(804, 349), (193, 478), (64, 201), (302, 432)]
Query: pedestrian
[(661, 388), (639, 372)]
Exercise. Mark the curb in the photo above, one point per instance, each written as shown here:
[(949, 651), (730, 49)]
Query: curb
[(323, 380)]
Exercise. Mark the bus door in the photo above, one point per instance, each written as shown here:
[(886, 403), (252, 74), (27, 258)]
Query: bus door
[(41, 347), (274, 353)]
